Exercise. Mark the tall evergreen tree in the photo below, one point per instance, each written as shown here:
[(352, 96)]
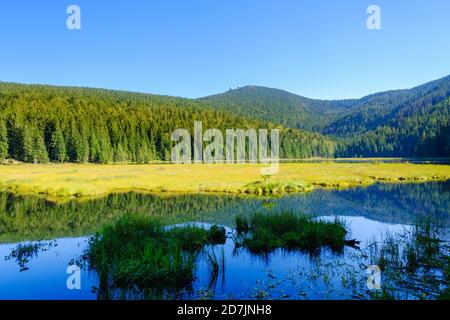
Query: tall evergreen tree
[(40, 154), (58, 145), (3, 140)]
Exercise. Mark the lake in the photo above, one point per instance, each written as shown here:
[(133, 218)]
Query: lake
[(40, 239)]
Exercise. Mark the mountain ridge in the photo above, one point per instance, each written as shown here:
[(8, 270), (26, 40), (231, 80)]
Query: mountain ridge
[(404, 122), (307, 113), (396, 123)]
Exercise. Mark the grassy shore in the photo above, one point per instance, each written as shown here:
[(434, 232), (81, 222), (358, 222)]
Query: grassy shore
[(90, 180)]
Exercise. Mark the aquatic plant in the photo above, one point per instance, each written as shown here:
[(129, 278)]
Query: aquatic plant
[(414, 262), (266, 232), (241, 224), (140, 252), (216, 265), (445, 294), (217, 234)]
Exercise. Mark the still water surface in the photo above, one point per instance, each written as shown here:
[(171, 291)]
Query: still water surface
[(60, 233)]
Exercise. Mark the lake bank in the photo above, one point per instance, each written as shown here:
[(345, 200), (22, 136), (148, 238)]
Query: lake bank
[(89, 180)]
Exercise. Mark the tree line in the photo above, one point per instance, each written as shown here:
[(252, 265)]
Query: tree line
[(40, 124)]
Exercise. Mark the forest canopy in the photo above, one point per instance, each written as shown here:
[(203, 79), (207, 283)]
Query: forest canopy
[(61, 124), (66, 124)]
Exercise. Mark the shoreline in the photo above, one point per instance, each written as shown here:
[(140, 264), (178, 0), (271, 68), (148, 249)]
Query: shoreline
[(85, 181)]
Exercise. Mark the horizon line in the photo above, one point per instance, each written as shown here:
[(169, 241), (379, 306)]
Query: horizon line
[(213, 94)]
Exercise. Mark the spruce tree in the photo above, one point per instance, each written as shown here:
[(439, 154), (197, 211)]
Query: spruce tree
[(58, 145), (40, 154), (3, 140)]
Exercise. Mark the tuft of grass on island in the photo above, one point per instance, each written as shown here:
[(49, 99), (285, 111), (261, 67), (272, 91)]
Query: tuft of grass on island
[(161, 260), (58, 181)]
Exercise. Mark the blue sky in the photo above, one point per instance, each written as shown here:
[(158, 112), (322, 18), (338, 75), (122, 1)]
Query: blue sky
[(193, 48)]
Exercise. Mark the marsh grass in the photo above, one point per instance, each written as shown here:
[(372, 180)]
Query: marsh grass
[(216, 262), (266, 232), (275, 188), (140, 252), (413, 262), (88, 180), (242, 224), (445, 295)]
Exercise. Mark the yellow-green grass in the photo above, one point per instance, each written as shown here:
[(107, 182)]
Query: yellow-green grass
[(87, 180)]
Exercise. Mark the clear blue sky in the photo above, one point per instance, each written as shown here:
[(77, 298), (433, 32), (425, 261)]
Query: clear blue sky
[(193, 48)]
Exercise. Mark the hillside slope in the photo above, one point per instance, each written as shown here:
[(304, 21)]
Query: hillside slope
[(46, 123), (410, 122), (279, 106), (383, 108)]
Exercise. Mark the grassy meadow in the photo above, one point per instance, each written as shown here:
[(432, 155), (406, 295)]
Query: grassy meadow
[(90, 180)]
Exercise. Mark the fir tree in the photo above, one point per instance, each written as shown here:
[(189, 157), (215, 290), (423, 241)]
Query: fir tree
[(3, 140)]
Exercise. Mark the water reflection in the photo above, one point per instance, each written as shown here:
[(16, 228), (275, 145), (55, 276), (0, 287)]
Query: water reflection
[(32, 218), (24, 252), (36, 269)]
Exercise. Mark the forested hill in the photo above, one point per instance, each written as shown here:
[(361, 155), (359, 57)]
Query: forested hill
[(279, 106), (412, 122), (417, 123), (46, 123), (382, 108)]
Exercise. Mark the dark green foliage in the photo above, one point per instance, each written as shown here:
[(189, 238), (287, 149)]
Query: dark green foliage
[(241, 224), (3, 140), (278, 106), (26, 143), (58, 145), (419, 128), (81, 125), (135, 251), (287, 230), (90, 125), (217, 235), (401, 123), (33, 218)]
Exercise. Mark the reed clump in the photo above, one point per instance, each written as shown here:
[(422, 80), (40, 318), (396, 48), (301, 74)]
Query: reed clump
[(141, 252), (414, 261), (266, 232)]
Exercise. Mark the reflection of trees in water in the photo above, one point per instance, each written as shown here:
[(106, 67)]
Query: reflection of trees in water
[(24, 252), (28, 218), (391, 203)]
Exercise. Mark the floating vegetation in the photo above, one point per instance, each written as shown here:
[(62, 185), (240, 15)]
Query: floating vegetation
[(217, 234), (139, 253), (266, 232), (242, 224)]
